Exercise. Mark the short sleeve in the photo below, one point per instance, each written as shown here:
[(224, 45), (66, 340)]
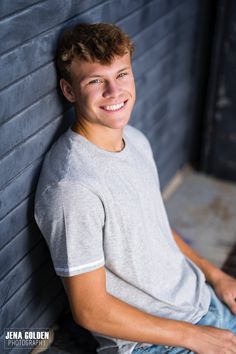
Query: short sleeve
[(71, 219)]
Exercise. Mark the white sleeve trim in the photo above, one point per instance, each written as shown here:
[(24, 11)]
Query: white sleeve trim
[(72, 269)]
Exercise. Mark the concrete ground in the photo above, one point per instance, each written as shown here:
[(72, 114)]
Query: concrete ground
[(203, 210)]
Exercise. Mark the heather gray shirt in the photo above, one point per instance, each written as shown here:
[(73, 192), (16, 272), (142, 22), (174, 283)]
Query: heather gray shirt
[(98, 208)]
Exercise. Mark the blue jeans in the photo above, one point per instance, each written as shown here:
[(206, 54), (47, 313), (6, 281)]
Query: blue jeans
[(218, 315)]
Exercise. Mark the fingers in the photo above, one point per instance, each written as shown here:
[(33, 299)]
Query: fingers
[(227, 344), (230, 301), (232, 342), (232, 306), (215, 341)]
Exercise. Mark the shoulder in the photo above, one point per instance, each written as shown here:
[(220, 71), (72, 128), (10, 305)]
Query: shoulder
[(66, 161), (134, 133), (66, 198), (138, 140)]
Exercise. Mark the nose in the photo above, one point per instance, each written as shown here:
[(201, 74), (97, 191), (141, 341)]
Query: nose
[(111, 89)]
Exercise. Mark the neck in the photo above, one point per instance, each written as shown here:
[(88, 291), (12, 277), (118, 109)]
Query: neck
[(104, 137)]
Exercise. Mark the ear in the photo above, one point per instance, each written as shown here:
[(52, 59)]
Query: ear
[(67, 90)]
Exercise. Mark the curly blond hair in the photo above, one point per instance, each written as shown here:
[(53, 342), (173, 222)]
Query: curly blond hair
[(99, 42)]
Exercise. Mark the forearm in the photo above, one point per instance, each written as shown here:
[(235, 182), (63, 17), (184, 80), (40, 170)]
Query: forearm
[(97, 310), (115, 318), (211, 272), (103, 313)]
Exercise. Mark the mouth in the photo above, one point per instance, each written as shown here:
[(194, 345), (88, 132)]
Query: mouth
[(114, 107)]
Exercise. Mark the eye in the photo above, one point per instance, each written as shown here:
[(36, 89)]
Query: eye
[(95, 81), (122, 75)]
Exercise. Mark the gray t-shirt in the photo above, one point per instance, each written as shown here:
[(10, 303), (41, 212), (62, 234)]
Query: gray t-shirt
[(98, 208)]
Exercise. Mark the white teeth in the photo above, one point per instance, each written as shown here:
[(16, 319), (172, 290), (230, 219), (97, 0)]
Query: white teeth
[(114, 107)]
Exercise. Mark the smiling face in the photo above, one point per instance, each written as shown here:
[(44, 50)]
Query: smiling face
[(103, 95)]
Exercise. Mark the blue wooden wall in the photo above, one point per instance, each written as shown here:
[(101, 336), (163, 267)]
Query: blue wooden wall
[(33, 114)]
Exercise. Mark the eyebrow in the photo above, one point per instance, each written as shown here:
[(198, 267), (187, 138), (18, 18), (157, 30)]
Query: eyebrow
[(96, 75)]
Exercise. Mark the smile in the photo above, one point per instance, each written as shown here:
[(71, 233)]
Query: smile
[(114, 107)]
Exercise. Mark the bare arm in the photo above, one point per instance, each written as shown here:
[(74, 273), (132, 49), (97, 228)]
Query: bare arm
[(224, 285), (95, 309)]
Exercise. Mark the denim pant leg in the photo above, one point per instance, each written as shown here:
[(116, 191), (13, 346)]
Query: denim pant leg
[(161, 349), (218, 315)]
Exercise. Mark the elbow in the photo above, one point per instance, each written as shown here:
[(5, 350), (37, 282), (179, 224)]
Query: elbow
[(90, 319), (84, 319)]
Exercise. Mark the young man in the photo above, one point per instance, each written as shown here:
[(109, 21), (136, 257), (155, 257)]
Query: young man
[(131, 281)]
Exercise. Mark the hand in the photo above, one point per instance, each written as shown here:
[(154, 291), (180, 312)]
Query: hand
[(211, 340), (225, 288)]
